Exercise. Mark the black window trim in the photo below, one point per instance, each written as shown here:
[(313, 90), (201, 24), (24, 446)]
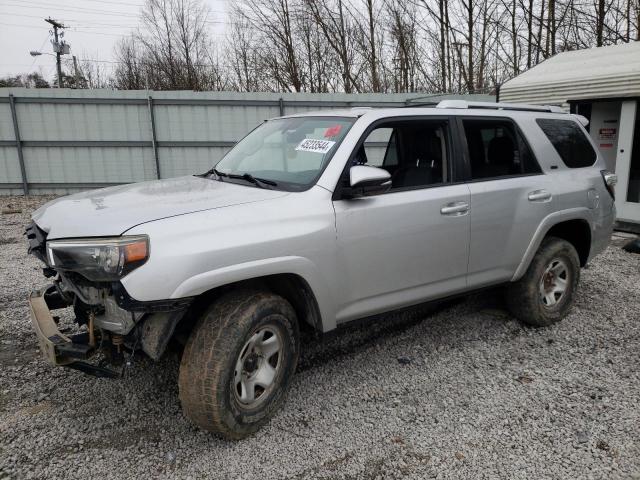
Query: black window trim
[(467, 158), (453, 160)]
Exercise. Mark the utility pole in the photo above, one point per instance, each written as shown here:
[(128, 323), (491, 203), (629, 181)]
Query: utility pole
[(57, 47)]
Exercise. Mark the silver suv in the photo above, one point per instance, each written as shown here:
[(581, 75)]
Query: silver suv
[(315, 220)]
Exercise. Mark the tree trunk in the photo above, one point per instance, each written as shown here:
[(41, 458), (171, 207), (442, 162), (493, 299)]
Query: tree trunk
[(529, 33), (470, 22), (552, 26), (514, 39), (540, 28), (373, 58), (600, 22), (443, 45)]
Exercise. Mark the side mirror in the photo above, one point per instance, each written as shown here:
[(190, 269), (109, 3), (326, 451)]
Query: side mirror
[(366, 180)]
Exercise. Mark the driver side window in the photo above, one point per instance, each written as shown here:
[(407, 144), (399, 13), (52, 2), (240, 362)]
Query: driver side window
[(414, 152)]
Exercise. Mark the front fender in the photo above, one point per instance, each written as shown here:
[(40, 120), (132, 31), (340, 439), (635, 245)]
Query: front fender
[(580, 213), (301, 266)]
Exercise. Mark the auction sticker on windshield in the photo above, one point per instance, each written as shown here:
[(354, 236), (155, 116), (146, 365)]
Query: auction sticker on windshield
[(315, 146)]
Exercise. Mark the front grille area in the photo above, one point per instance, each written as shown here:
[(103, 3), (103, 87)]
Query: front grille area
[(37, 239)]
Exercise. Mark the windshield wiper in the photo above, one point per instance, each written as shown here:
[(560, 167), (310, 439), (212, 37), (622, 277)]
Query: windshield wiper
[(258, 182), (213, 171)]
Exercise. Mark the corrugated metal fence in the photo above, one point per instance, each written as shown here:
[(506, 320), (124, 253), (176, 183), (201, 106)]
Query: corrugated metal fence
[(60, 141)]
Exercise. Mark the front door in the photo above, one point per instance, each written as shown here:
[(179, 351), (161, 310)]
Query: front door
[(410, 244)]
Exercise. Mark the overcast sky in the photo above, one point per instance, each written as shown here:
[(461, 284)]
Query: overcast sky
[(94, 27)]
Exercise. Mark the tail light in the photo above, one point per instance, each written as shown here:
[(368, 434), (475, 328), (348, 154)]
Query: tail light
[(610, 180)]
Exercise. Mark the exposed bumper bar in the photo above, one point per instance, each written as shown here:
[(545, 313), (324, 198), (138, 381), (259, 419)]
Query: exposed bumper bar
[(46, 329), (58, 348)]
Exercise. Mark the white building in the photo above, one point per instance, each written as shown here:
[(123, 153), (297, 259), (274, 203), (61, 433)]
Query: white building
[(603, 84)]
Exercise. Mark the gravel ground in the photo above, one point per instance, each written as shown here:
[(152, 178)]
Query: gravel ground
[(463, 391)]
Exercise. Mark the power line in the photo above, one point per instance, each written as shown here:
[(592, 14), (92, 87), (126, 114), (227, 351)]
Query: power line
[(40, 49), (20, 25), (87, 32), (113, 2), (76, 30), (35, 4), (13, 14), (141, 62), (44, 4), (211, 22), (74, 10)]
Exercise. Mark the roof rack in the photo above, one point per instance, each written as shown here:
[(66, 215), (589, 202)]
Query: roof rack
[(521, 107)]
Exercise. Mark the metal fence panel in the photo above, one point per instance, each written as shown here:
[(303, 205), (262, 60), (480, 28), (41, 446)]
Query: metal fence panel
[(73, 140), (6, 124), (51, 121), (9, 165), (89, 164)]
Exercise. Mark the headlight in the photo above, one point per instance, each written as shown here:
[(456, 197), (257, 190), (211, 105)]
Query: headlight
[(99, 259)]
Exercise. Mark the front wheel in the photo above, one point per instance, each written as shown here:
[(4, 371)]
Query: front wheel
[(544, 295), (238, 363)]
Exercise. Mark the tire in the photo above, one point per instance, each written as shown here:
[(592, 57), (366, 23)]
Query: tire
[(215, 394), (536, 299)]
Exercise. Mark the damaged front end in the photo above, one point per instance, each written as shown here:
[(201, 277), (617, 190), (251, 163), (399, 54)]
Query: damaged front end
[(86, 275)]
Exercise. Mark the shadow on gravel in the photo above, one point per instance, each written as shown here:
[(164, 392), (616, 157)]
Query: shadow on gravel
[(362, 334), (8, 240)]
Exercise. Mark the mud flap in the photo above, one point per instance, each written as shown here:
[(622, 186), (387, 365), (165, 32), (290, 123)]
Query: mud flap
[(157, 330)]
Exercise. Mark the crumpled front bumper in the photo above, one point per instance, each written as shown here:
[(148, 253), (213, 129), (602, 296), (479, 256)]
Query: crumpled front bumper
[(58, 348), (49, 337)]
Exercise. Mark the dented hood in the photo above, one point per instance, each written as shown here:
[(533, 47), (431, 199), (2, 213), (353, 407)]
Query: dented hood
[(114, 210)]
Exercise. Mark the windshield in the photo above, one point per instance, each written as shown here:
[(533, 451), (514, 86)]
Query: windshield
[(292, 152)]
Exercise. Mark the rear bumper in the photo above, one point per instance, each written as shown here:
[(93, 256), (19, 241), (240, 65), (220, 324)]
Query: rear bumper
[(601, 234)]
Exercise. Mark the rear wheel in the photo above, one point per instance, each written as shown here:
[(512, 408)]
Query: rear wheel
[(238, 363), (544, 295)]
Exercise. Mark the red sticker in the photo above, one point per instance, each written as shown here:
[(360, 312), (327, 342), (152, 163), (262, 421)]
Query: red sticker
[(332, 131)]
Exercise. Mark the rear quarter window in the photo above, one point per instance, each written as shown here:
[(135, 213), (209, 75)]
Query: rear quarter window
[(570, 142)]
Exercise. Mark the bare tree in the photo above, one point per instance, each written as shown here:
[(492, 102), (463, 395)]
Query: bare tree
[(335, 24), (363, 45), (170, 50), (273, 21)]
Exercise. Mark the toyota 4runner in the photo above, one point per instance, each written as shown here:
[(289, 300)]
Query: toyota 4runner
[(316, 220)]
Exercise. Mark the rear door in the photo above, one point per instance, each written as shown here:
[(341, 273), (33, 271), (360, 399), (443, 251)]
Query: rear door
[(411, 243), (509, 197)]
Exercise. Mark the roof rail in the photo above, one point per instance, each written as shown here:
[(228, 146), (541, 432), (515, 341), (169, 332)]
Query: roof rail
[(499, 106), (420, 105)]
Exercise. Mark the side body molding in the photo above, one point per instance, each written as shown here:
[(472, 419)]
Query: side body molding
[(579, 213), (301, 266)]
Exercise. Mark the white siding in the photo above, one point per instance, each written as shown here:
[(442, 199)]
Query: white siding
[(597, 73)]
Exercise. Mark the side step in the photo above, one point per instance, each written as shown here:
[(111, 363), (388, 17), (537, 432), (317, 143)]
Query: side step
[(94, 370)]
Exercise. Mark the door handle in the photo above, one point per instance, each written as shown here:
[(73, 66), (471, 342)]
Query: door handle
[(455, 209), (539, 196)]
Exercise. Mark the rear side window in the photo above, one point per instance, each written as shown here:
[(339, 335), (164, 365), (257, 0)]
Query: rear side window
[(569, 141), (496, 149)]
